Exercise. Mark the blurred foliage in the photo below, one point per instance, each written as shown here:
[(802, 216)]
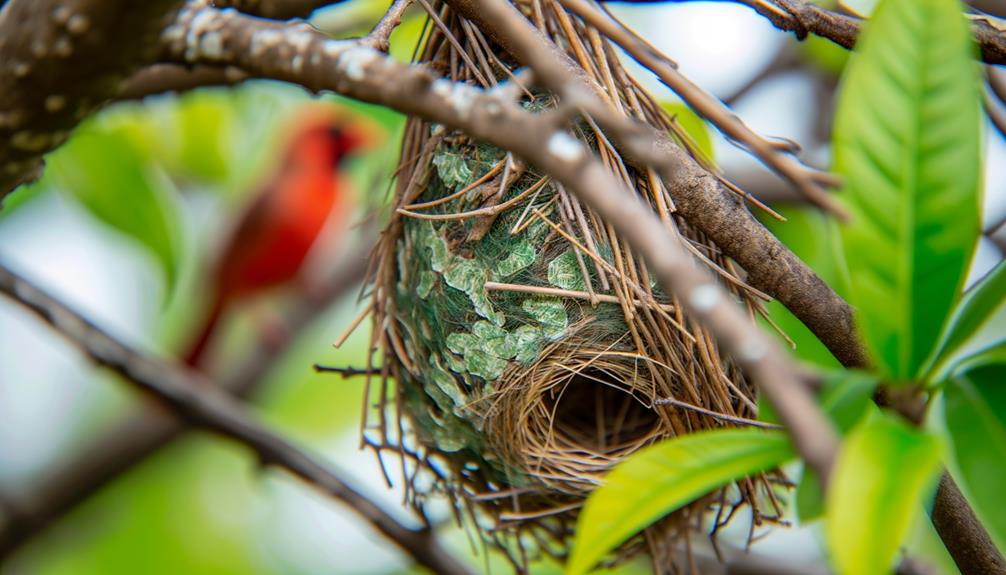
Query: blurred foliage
[(694, 125), (975, 406), (825, 54), (121, 186), (880, 477)]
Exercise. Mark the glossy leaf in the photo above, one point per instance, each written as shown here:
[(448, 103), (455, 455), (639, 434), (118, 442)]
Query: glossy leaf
[(659, 479), (907, 145), (975, 408), (878, 483), (977, 310), (118, 185)]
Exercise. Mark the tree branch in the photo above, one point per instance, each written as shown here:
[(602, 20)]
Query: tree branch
[(762, 359), (56, 68), (963, 534), (203, 404), (167, 78)]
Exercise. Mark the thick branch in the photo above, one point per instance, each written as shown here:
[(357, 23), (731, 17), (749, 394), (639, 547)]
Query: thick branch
[(168, 78), (201, 403), (699, 196), (60, 61), (967, 541)]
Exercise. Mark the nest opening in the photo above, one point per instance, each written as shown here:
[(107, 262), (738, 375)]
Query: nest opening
[(573, 415), (593, 414)]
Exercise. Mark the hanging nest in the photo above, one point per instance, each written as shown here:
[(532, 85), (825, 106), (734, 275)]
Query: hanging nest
[(529, 344)]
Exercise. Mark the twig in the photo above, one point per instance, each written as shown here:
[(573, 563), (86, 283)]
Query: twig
[(207, 406), (345, 371), (960, 530), (573, 294), (785, 60), (381, 33), (141, 434), (716, 414), (996, 113)]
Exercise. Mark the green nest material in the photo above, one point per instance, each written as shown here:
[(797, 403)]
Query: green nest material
[(529, 344)]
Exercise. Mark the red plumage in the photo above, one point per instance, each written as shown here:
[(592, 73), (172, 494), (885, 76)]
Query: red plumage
[(271, 241)]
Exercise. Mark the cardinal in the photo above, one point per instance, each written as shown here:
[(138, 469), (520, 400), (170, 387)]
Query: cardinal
[(272, 239)]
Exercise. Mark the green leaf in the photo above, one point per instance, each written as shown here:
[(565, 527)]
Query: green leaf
[(825, 54), (987, 356), (661, 478), (205, 122), (694, 126), (907, 145), (879, 480), (809, 496), (975, 411), (974, 312), (119, 185), (846, 398)]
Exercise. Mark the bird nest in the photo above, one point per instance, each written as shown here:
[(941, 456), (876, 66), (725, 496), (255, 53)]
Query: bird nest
[(530, 348)]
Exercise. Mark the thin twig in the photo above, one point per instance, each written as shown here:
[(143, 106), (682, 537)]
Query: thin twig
[(573, 294), (716, 414), (380, 35), (345, 371)]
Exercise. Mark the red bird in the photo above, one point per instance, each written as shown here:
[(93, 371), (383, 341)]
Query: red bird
[(275, 235)]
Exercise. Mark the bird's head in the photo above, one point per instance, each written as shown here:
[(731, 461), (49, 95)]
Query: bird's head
[(324, 136)]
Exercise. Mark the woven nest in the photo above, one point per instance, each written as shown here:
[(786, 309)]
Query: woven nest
[(528, 342)]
